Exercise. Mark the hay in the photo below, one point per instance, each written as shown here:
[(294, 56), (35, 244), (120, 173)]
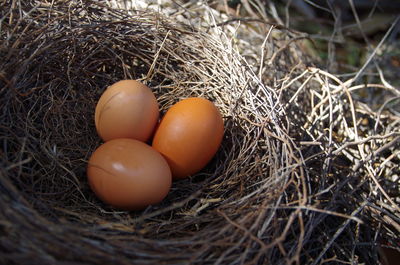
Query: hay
[(305, 174)]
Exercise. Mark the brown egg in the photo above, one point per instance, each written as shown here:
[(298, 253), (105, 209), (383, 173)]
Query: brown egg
[(189, 135), (389, 256), (127, 109), (128, 174)]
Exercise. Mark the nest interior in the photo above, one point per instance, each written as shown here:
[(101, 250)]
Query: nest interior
[(301, 176)]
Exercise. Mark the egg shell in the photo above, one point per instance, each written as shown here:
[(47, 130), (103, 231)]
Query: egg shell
[(189, 135), (128, 174), (127, 109)]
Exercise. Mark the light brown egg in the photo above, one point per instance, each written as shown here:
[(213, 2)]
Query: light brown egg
[(128, 174), (189, 135), (127, 109)]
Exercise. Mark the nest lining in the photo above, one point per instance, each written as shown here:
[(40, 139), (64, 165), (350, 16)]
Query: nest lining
[(292, 181)]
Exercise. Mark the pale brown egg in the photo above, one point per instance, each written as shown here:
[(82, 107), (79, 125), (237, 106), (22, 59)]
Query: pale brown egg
[(189, 135), (128, 174), (127, 109)]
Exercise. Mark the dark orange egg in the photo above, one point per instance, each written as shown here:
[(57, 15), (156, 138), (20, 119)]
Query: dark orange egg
[(128, 174), (189, 135)]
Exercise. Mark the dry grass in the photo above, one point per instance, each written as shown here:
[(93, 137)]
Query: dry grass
[(305, 175)]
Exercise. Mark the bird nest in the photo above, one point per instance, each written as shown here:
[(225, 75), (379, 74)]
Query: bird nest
[(306, 174)]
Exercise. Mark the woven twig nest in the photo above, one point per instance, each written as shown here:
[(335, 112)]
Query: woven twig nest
[(304, 173)]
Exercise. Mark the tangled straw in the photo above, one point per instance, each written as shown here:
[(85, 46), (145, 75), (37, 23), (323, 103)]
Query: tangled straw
[(305, 175)]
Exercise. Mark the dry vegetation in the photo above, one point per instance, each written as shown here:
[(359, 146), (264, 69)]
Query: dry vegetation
[(306, 173)]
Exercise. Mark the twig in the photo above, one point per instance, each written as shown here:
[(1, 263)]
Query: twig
[(365, 140), (338, 232), (359, 73)]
